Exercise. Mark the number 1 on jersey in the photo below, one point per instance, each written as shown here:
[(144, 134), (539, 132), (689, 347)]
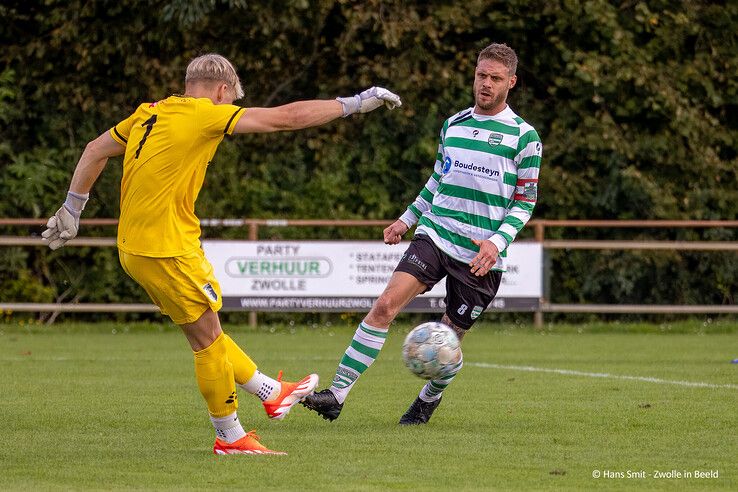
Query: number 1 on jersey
[(149, 124)]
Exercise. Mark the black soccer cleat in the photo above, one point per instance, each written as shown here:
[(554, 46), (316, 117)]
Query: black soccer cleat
[(324, 402), (419, 412)]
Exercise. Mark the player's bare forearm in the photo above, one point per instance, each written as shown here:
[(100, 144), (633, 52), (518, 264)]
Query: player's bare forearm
[(93, 161), (306, 114), (86, 173), (292, 116)]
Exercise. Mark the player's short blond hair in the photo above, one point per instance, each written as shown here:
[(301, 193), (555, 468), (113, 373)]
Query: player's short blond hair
[(502, 53), (216, 68)]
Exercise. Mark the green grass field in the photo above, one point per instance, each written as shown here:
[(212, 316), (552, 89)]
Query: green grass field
[(115, 406)]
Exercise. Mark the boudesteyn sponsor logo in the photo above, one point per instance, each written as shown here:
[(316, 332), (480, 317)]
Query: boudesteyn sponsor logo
[(293, 266), (470, 166)]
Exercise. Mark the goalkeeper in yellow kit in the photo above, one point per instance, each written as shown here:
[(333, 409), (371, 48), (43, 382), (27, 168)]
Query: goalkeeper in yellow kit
[(168, 146)]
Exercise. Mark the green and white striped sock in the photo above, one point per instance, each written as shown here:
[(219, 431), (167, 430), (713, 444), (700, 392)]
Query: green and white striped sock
[(364, 348), (433, 388)]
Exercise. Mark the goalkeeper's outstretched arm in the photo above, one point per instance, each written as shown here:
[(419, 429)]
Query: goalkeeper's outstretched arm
[(306, 114)]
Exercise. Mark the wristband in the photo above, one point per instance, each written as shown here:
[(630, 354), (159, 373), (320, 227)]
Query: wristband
[(75, 203), (350, 105)]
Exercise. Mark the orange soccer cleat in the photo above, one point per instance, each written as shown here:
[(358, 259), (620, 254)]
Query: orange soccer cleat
[(248, 444), (290, 395)]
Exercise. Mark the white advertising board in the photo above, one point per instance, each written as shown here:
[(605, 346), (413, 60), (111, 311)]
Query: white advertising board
[(342, 275)]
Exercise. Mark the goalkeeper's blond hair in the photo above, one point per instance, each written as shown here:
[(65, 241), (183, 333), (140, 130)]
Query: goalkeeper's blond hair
[(214, 68)]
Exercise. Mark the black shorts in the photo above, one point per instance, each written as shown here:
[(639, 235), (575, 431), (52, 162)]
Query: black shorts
[(467, 295)]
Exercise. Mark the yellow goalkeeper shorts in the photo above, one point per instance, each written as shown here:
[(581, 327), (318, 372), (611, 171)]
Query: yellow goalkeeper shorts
[(182, 286)]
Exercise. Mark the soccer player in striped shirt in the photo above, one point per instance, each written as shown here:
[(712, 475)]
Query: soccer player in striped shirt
[(480, 195), (168, 146)]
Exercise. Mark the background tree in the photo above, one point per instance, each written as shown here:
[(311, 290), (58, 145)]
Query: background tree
[(636, 104)]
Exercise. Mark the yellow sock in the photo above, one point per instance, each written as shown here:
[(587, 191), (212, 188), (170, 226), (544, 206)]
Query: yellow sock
[(214, 374), (243, 367)]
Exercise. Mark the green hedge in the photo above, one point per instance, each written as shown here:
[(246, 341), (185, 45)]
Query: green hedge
[(635, 102)]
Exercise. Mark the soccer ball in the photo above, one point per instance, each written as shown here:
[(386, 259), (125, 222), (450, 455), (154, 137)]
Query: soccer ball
[(431, 350)]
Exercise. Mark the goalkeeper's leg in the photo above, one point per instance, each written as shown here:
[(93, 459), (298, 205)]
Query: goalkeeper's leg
[(214, 374), (215, 378), (277, 396), (193, 305)]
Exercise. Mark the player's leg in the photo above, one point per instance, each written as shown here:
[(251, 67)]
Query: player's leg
[(194, 306), (277, 396), (371, 333), (417, 272), (215, 379), (214, 374), (366, 344), (182, 290), (422, 408), (433, 389), (466, 299)]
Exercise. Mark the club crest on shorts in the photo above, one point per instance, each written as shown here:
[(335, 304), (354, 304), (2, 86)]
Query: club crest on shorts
[(494, 139), (476, 312), (210, 292)]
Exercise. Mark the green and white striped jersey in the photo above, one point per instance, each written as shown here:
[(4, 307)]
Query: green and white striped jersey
[(484, 184)]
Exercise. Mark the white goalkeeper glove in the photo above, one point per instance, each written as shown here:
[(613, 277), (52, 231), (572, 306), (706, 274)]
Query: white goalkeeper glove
[(64, 224), (369, 100)]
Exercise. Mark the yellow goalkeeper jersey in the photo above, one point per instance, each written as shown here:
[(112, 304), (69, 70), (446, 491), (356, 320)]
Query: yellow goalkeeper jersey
[(169, 145)]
